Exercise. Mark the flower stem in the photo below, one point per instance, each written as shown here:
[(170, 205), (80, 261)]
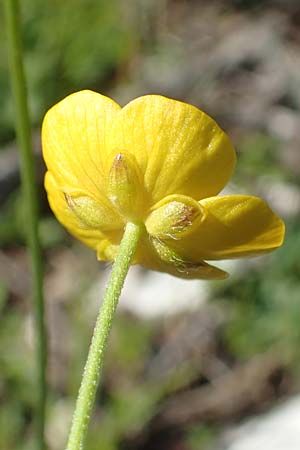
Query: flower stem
[(23, 130), (87, 391)]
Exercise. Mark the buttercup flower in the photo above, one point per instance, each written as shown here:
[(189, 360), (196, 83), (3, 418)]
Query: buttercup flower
[(156, 162)]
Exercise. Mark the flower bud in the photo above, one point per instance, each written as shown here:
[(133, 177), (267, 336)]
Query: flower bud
[(174, 215), (125, 189), (92, 213)]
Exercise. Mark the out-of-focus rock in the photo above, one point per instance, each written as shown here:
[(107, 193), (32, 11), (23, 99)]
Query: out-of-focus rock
[(283, 196), (277, 430), (150, 294)]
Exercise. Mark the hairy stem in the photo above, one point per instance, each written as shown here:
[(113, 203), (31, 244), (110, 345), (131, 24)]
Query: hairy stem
[(86, 396)]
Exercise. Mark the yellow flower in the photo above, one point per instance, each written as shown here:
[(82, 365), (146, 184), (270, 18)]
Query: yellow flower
[(157, 162)]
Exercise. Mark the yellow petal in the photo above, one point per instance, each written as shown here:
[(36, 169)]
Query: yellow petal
[(199, 271), (232, 226), (106, 251), (157, 256), (74, 139), (179, 148), (92, 237)]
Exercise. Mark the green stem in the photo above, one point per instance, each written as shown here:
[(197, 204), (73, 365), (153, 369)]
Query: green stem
[(23, 129), (91, 373)]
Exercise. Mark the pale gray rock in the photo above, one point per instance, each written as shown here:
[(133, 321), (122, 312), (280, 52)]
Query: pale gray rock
[(277, 430)]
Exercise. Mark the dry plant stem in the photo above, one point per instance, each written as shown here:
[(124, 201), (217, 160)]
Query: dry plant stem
[(87, 391), (23, 129)]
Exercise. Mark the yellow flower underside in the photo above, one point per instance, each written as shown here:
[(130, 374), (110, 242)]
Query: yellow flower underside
[(159, 162)]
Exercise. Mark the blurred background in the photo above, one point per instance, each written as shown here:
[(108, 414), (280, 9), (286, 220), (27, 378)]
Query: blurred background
[(191, 365)]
